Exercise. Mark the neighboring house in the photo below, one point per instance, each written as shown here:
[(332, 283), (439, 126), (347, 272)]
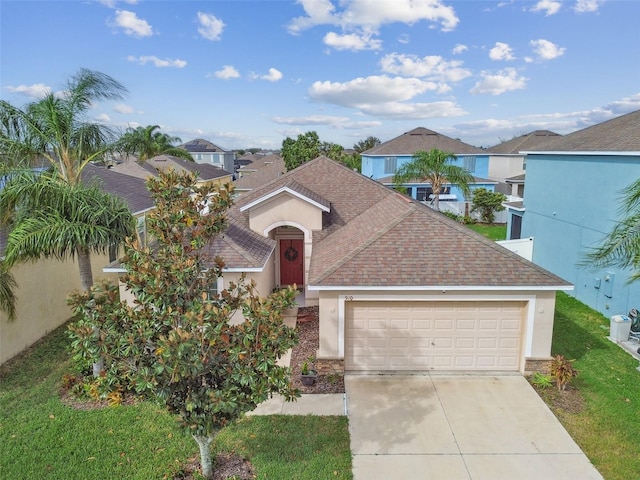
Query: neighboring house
[(151, 167), (208, 153), (259, 172), (383, 161), (507, 163), (572, 200), (43, 286), (400, 287)]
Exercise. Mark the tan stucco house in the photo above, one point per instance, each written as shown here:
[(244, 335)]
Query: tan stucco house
[(399, 286)]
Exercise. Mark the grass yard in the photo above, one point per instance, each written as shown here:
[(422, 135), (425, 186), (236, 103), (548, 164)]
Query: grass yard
[(608, 428), (42, 438), (494, 231)]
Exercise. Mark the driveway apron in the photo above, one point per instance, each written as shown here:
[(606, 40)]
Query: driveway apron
[(457, 427)]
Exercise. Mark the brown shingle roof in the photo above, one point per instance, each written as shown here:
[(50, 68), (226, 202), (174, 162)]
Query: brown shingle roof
[(241, 248), (621, 134), (373, 236), (131, 189), (202, 146), (260, 171), (422, 139), (151, 167), (530, 141)]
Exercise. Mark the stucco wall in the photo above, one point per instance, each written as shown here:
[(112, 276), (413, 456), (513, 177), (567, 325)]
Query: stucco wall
[(572, 202), (284, 209), (537, 328), (42, 293), (502, 167)]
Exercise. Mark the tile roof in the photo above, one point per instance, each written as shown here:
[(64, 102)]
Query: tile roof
[(201, 146), (529, 141), (621, 134), (375, 237), (422, 139)]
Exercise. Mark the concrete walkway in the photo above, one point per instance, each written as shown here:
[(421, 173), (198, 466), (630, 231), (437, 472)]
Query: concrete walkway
[(457, 427), (309, 404)]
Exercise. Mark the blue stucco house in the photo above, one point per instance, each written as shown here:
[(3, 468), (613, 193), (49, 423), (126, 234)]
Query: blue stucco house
[(382, 161), (572, 200)]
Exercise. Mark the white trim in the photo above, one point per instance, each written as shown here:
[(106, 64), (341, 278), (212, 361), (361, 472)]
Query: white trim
[(228, 270), (578, 153), (444, 289), (528, 326), (284, 190)]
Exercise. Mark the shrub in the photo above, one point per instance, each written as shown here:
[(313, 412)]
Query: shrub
[(562, 371), (541, 380)]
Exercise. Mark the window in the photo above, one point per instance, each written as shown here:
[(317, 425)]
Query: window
[(390, 164), (423, 193), (141, 230), (113, 252), (212, 289), (470, 163)]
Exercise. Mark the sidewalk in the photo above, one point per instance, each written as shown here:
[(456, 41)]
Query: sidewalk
[(310, 404)]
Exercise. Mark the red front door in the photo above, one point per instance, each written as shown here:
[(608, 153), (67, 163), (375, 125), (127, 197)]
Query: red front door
[(291, 262)]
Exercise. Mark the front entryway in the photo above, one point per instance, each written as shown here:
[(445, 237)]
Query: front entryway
[(291, 261)]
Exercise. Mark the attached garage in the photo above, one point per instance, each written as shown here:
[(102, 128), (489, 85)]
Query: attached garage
[(434, 335)]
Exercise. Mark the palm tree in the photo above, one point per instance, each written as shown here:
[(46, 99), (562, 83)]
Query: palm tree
[(621, 247), (7, 294), (52, 213), (435, 167), (50, 218), (146, 143), (56, 128)]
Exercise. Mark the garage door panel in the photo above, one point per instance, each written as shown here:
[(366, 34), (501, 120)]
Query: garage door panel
[(433, 335)]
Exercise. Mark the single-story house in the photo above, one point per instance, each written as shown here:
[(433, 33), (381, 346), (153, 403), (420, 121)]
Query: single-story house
[(573, 197), (399, 286)]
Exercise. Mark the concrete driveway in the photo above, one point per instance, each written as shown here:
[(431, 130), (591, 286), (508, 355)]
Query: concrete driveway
[(457, 427)]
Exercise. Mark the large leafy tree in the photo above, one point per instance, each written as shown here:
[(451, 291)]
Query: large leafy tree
[(366, 144), (437, 168), (52, 213), (621, 246), (177, 344), (307, 147), (147, 142), (487, 203)]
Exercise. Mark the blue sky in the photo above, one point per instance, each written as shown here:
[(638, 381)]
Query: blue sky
[(250, 73)]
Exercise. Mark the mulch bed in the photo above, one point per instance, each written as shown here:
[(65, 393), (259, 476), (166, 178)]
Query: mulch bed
[(309, 340)]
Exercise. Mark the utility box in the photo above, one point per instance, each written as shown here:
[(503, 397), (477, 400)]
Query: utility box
[(620, 326)]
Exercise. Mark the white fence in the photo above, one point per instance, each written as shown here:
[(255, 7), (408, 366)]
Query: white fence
[(464, 208)]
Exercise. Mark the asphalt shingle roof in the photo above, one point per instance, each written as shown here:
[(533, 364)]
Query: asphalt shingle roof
[(529, 141), (621, 134), (152, 166), (201, 146), (131, 189), (260, 171), (373, 236), (422, 139)]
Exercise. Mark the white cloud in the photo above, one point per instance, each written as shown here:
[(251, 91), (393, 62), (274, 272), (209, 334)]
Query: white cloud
[(37, 90), (586, 6), (210, 27), (369, 90), (273, 76), (414, 111), (227, 72), (360, 20), (459, 48), (501, 51), (550, 7), (352, 41), (104, 118), (158, 62), (131, 24), (122, 108), (546, 50), (504, 81), (431, 66), (112, 3), (311, 120)]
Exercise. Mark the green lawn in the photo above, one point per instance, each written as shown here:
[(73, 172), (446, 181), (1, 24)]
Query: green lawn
[(608, 428), (494, 231), (42, 438)]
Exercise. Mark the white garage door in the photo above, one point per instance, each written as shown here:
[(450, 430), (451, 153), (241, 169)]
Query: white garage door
[(433, 335)]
